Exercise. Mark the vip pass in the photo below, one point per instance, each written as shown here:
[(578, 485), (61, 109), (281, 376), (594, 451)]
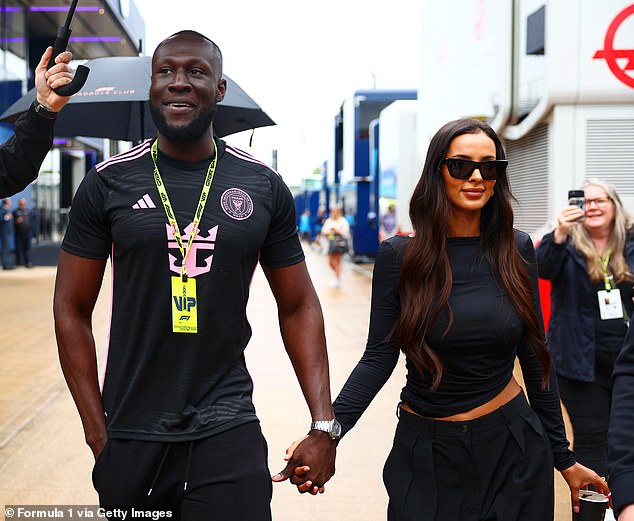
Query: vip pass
[(76, 512), (184, 302)]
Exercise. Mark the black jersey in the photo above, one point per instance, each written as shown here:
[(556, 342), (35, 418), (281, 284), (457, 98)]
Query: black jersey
[(178, 386), (478, 352)]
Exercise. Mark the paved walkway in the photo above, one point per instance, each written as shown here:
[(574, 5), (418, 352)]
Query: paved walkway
[(43, 458)]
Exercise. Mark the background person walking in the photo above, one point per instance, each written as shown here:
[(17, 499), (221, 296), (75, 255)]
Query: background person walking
[(6, 234), (590, 264), (23, 232), (336, 230)]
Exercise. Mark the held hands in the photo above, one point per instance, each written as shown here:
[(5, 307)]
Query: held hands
[(579, 477), (310, 463), (47, 80), (566, 220)]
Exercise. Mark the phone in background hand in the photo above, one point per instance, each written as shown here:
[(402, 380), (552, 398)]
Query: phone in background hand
[(577, 198)]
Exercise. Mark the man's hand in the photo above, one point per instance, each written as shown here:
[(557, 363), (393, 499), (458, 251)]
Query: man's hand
[(47, 80), (310, 463)]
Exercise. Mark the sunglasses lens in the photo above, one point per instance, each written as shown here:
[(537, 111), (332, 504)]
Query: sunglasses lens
[(459, 169), (489, 171), (463, 168)]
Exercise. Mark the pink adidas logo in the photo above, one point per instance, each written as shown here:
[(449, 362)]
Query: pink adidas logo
[(144, 202)]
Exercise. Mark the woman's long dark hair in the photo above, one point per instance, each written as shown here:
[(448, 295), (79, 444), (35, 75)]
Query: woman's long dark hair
[(426, 278)]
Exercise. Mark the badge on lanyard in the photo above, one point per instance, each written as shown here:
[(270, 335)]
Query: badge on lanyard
[(184, 305), (610, 305), (184, 301)]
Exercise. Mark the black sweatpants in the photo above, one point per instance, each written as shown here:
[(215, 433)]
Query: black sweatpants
[(223, 477), (588, 404), (496, 467)]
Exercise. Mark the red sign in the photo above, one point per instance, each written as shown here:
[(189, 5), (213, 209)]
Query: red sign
[(610, 54)]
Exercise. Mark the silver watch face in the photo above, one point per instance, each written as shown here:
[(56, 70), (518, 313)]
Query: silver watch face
[(335, 432)]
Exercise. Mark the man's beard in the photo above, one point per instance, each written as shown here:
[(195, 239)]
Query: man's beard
[(183, 134)]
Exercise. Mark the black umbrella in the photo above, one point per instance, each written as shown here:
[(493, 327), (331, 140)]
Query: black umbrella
[(114, 104)]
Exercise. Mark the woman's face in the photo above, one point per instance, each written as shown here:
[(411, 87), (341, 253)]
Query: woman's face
[(468, 196), (599, 209)]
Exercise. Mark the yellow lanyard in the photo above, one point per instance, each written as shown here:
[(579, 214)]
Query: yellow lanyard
[(199, 209), (603, 264)]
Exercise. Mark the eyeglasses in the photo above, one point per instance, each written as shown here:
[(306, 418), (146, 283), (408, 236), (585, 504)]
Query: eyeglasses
[(601, 202), (463, 168)]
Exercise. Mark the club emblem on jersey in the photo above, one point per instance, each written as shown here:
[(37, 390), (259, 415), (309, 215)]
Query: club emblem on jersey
[(201, 250), (237, 204)]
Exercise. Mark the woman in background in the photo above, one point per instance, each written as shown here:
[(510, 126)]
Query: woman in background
[(336, 230), (590, 264)]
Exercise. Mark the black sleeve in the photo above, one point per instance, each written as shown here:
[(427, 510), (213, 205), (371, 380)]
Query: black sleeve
[(621, 431), (381, 355), (22, 155), (550, 256), (545, 402), (281, 247), (88, 231)]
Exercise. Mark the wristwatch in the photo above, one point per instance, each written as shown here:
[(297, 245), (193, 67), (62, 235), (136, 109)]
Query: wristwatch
[(332, 427), (43, 110)]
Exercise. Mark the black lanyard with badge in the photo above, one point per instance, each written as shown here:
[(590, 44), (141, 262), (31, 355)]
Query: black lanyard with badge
[(610, 305), (184, 303)]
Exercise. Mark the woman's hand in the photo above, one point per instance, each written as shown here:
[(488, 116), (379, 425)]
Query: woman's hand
[(566, 220), (579, 477)]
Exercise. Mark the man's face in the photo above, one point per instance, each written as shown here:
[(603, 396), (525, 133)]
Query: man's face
[(185, 88)]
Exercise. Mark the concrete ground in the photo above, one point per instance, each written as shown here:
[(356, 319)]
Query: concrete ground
[(43, 458)]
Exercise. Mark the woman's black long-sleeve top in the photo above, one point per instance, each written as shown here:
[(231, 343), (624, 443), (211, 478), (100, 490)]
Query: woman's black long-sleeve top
[(478, 352)]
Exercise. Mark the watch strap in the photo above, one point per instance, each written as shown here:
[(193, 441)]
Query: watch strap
[(332, 427), (43, 110)]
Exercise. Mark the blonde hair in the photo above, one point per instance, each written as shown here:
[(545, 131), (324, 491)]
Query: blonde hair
[(622, 224)]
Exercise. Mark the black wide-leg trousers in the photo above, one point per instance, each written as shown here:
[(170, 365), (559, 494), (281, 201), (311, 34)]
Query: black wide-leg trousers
[(496, 467)]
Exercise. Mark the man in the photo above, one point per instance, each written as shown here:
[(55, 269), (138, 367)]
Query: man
[(22, 229), (185, 220), (6, 234), (22, 155), (621, 432)]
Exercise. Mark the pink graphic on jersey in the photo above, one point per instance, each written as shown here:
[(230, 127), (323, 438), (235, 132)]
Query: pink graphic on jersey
[(201, 249)]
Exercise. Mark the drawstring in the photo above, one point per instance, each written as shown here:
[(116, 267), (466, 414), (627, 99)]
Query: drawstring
[(189, 459), (158, 471)]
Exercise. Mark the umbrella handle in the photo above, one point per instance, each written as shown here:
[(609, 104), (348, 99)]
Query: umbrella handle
[(81, 74), (61, 42)]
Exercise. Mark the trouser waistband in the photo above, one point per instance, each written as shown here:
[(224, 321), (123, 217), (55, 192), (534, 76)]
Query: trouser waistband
[(430, 427)]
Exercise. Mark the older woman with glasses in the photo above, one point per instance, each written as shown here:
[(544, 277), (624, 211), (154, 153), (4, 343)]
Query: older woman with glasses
[(459, 299), (589, 258)]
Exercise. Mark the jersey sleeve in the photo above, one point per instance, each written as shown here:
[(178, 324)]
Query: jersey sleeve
[(88, 232), (281, 247), (381, 354), (545, 402)]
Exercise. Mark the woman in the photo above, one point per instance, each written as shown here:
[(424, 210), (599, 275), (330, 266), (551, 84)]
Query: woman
[(459, 298), (589, 262), (336, 229)]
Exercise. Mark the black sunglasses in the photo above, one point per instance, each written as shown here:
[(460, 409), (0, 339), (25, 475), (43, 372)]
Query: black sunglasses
[(463, 168)]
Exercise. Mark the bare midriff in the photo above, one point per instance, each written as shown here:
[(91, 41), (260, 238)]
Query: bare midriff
[(511, 390)]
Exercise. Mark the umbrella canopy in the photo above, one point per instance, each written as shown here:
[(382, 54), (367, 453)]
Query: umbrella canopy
[(114, 103)]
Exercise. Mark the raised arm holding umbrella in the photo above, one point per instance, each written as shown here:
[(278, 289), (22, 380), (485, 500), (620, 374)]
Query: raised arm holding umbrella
[(22, 155)]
